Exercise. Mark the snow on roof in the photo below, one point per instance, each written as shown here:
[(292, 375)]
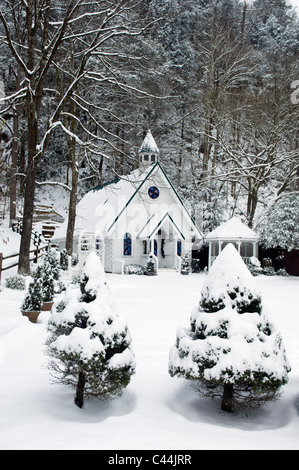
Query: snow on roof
[(157, 220), (232, 229), (100, 207), (149, 144)]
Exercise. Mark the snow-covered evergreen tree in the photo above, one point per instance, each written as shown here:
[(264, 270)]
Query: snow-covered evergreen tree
[(185, 265), (34, 297), (150, 265), (52, 257), (231, 349), (89, 343), (281, 226), (48, 282), (63, 260)]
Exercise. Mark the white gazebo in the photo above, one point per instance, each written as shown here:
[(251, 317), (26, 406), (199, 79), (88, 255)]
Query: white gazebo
[(236, 232)]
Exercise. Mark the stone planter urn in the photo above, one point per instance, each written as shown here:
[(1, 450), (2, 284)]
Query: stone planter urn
[(32, 316), (47, 306)]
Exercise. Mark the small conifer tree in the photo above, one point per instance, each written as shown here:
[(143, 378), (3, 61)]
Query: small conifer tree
[(150, 265), (48, 282), (230, 349), (89, 343), (185, 265), (63, 260), (51, 257), (45, 272), (33, 300)]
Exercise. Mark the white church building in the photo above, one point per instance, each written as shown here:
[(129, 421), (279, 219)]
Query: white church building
[(136, 215)]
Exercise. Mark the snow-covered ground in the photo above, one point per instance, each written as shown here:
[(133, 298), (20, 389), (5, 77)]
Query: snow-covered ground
[(155, 411)]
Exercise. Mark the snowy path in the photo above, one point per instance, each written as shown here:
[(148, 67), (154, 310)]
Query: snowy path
[(156, 411)]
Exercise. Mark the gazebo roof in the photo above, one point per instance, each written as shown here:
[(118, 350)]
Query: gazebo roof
[(232, 229)]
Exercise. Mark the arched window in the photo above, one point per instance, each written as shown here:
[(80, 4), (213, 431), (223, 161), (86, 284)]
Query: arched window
[(127, 245), (179, 248)]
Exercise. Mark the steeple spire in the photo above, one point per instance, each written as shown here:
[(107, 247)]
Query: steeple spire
[(148, 152)]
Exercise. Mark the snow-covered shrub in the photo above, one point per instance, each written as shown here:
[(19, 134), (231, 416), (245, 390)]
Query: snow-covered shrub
[(150, 265), (195, 265), (281, 226), (134, 269), (185, 264), (74, 260), (17, 282), (48, 282), (45, 272), (231, 350), (51, 257), (89, 343), (254, 266), (33, 300), (281, 272), (269, 271), (63, 260)]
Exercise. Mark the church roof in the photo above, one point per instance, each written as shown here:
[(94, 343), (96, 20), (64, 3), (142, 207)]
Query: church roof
[(155, 222), (149, 144), (232, 229), (100, 209), (102, 206)]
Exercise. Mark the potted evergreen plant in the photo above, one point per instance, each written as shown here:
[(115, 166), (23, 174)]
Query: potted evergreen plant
[(185, 266), (150, 266), (32, 303), (47, 287)]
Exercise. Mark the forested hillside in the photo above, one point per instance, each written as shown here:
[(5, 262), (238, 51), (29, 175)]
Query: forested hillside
[(215, 81)]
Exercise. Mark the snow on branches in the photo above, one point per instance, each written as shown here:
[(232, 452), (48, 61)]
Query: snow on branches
[(89, 343), (231, 349)]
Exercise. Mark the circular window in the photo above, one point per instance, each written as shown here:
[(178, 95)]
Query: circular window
[(153, 192)]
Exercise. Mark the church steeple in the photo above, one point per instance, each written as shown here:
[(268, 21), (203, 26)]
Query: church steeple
[(148, 152)]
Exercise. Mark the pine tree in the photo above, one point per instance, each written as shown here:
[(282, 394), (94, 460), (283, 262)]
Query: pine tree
[(281, 225), (63, 260), (231, 350), (89, 343), (34, 297), (51, 257), (48, 282), (150, 265), (185, 265)]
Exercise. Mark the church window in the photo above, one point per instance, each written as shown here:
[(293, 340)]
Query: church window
[(155, 247), (98, 244), (146, 158), (153, 192), (153, 158), (179, 248), (127, 245)]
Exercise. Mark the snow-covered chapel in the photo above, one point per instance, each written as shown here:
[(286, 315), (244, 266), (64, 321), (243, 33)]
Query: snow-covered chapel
[(135, 215)]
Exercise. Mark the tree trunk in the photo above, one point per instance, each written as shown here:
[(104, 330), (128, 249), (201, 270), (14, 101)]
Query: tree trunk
[(24, 259), (72, 210), (79, 398), (227, 398), (13, 178), (73, 195)]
